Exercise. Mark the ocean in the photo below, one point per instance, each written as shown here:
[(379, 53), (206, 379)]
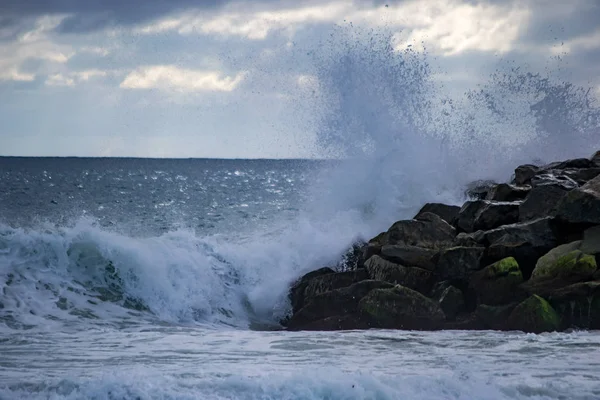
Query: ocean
[(165, 279)]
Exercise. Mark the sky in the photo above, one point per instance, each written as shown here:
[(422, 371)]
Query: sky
[(234, 79)]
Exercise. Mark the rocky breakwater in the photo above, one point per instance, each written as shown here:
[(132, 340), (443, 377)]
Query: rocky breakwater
[(522, 255)]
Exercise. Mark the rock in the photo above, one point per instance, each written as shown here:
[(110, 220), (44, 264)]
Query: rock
[(334, 303), (569, 164), (596, 158), (430, 232), (452, 302), (548, 178), (297, 290), (564, 265), (415, 278), (534, 315), (410, 256), (582, 205), (582, 175), (541, 202), (327, 282), (494, 317), (577, 304), (507, 192), (498, 283), (445, 212), (467, 215), (465, 322), (478, 190), (474, 239), (456, 264), (591, 241), (401, 308), (370, 250), (495, 214), (352, 258), (338, 323), (524, 173), (526, 242)]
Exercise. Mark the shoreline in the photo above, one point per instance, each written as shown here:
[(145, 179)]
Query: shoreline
[(521, 255)]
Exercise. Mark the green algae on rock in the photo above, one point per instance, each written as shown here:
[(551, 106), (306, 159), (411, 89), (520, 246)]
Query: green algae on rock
[(534, 315)]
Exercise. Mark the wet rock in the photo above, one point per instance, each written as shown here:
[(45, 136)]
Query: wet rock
[(498, 283), (495, 317), (564, 265), (402, 308), (478, 190), (526, 242), (541, 202), (297, 290), (415, 278), (577, 304), (495, 214), (524, 173), (456, 264), (334, 303), (474, 239), (430, 232), (596, 159), (581, 175), (467, 215), (507, 192), (591, 241), (582, 205), (534, 315), (561, 181), (569, 164), (327, 282), (465, 322), (446, 212), (410, 256), (452, 302), (338, 323)]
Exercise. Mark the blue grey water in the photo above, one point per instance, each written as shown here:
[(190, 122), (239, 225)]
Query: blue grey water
[(165, 279)]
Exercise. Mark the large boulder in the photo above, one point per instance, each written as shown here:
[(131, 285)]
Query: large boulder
[(473, 239), (534, 315), (577, 304), (456, 264), (494, 317), (564, 265), (507, 192), (401, 308), (429, 231), (479, 189), (591, 241), (581, 175), (410, 256), (452, 302), (554, 179), (485, 215), (297, 290), (338, 302), (570, 164), (415, 278), (541, 202), (596, 158), (524, 173), (498, 283), (582, 205), (326, 282), (446, 212), (526, 242)]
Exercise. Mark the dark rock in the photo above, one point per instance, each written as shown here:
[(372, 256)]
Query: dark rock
[(495, 214), (370, 250), (474, 239), (338, 323), (561, 181), (456, 264), (467, 215), (596, 159), (582, 175), (534, 315), (591, 241), (524, 173), (578, 304), (402, 308), (412, 277), (444, 211), (565, 265), (507, 192), (582, 205), (334, 303), (541, 202), (430, 232), (478, 190), (297, 290), (452, 302), (465, 322), (352, 258), (568, 164), (526, 242), (495, 317), (327, 282), (410, 256), (439, 288), (498, 284)]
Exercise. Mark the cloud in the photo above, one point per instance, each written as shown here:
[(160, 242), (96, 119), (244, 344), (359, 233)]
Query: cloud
[(73, 78), (170, 77)]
